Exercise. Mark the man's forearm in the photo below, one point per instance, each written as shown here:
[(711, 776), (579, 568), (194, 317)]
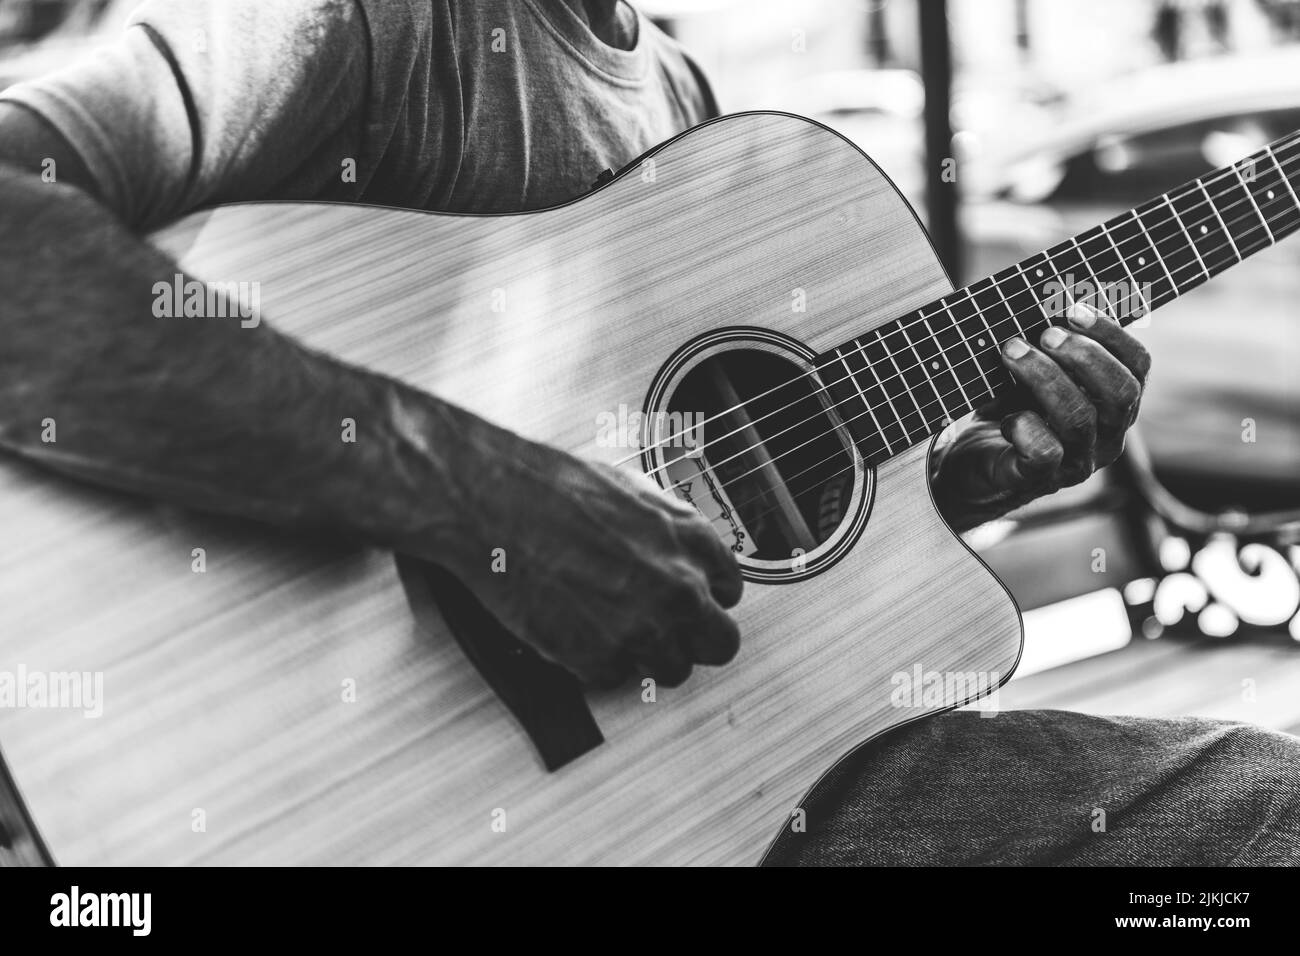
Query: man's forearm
[(209, 414)]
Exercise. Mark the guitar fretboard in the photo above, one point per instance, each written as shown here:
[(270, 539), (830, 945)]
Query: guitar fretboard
[(908, 379)]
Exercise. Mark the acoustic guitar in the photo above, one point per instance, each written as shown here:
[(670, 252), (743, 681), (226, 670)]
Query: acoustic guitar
[(752, 316)]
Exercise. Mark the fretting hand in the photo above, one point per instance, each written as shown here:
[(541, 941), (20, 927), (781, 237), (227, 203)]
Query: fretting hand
[(1079, 394)]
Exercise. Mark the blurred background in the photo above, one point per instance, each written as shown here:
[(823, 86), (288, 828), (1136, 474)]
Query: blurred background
[(1168, 583)]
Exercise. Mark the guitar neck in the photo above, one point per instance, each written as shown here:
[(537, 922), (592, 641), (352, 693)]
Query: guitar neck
[(906, 380)]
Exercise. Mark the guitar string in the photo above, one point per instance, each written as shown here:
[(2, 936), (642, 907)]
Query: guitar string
[(815, 466), (793, 478), (919, 406), (954, 366), (818, 464), (1035, 310), (1104, 231), (1142, 235)]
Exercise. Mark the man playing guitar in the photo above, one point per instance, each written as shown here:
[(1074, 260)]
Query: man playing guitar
[(501, 107)]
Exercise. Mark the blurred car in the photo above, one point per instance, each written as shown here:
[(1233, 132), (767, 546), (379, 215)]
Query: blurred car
[(881, 111), (1138, 134)]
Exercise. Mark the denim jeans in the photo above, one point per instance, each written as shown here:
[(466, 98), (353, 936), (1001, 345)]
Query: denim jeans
[(1056, 788)]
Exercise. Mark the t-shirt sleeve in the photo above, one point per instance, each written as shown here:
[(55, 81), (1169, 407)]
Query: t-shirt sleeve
[(206, 101)]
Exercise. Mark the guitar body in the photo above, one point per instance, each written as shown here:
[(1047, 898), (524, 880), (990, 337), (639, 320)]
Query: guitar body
[(285, 706)]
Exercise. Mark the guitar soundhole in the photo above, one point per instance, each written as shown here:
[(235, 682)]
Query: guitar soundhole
[(746, 436)]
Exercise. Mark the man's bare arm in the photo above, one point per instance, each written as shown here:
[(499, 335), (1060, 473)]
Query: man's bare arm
[(237, 420), (607, 576)]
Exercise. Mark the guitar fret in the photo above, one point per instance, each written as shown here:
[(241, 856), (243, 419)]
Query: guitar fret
[(1152, 284), (1155, 252), (965, 342), (1088, 265), (971, 311), (1179, 220), (861, 405), (1197, 213), (903, 392), (880, 385), (1272, 190), (1173, 244), (1030, 287), (943, 374), (917, 384), (1282, 172), (1262, 221), (903, 438), (1136, 286), (865, 401), (993, 339), (921, 362), (1233, 197), (1065, 262), (1222, 225), (1025, 301)]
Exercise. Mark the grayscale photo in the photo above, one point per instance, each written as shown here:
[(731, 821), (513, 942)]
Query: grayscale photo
[(644, 433)]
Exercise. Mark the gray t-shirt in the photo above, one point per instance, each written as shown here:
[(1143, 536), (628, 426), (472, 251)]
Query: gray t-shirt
[(488, 106)]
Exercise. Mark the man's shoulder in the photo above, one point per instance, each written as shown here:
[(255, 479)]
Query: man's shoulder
[(684, 73), (250, 12)]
